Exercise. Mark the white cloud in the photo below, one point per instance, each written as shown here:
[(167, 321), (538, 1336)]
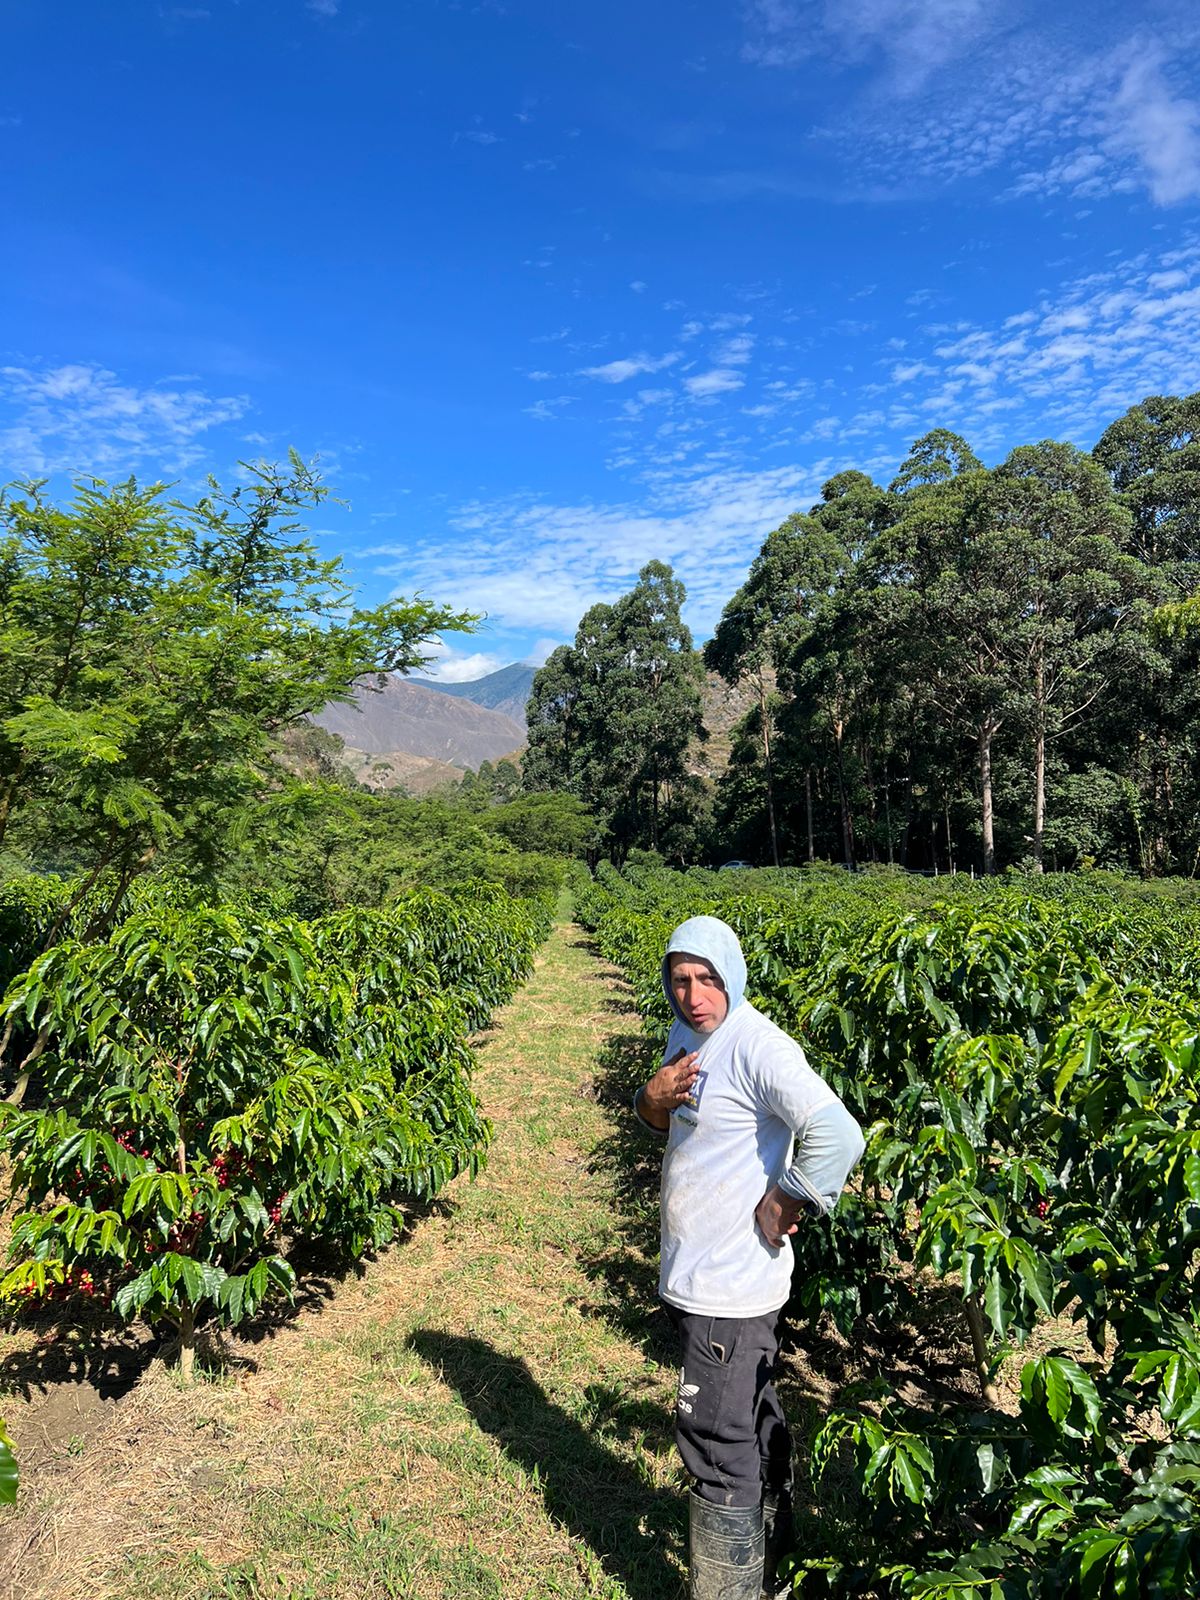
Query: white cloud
[(1158, 127), (630, 367), (323, 8), (721, 380), (538, 566), (456, 666), (1073, 363), (915, 38), (548, 410), (735, 352), (638, 286), (960, 90), (81, 419)]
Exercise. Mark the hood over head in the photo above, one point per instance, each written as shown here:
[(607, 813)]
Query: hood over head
[(713, 941)]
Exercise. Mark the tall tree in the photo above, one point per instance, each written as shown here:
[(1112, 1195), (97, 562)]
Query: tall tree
[(956, 583), (612, 717), (1078, 592), (760, 629)]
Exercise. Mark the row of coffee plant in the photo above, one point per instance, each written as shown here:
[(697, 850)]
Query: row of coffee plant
[(209, 1089), (1025, 1059)]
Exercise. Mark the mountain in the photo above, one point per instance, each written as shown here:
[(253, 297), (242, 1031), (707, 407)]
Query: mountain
[(506, 691), (404, 718)]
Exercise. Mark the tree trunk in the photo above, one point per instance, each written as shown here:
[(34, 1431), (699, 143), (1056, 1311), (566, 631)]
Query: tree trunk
[(979, 1349), (766, 744), (987, 733), (847, 820), (887, 815), (1039, 760), (869, 770), (187, 1344), (808, 811)]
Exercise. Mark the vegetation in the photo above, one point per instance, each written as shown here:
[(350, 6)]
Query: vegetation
[(150, 655), (612, 717), (216, 1090), (236, 1013), (968, 667), (1023, 1058)]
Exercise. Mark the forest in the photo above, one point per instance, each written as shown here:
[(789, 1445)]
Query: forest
[(969, 669)]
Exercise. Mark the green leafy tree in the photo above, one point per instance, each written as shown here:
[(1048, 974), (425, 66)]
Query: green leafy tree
[(771, 615), (612, 717), (150, 654), (1080, 601)]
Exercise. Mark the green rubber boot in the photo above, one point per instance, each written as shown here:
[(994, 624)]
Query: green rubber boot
[(725, 1551)]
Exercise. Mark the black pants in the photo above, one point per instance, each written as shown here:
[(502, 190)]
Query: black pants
[(729, 1425)]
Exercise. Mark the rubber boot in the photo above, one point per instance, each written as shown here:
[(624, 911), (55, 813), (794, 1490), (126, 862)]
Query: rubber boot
[(779, 1539), (725, 1551)]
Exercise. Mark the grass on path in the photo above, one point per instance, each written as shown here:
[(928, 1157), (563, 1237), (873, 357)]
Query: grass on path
[(484, 1411)]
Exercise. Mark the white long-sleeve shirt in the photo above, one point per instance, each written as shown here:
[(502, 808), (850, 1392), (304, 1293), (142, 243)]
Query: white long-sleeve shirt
[(758, 1115)]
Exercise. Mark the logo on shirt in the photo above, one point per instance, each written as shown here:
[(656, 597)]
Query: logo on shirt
[(689, 1110)]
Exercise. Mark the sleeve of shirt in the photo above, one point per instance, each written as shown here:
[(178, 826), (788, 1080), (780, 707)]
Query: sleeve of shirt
[(828, 1141), (827, 1149)]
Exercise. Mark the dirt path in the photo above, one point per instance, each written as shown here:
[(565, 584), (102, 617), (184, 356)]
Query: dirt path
[(484, 1411)]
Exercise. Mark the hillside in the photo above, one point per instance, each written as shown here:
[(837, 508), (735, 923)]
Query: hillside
[(396, 717), (722, 707), (506, 691)]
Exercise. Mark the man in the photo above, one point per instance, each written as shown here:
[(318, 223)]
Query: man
[(756, 1143)]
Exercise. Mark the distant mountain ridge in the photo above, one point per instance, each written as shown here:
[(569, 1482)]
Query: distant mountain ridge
[(402, 717), (506, 690)]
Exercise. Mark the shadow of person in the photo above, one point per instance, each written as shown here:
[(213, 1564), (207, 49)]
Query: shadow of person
[(632, 1527)]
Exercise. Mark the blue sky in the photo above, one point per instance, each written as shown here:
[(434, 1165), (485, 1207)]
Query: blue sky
[(552, 289)]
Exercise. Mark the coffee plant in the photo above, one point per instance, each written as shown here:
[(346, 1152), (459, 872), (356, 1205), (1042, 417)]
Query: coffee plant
[(216, 1088), (1025, 1060)]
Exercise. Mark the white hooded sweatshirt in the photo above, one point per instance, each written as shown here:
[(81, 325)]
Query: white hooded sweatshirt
[(758, 1115)]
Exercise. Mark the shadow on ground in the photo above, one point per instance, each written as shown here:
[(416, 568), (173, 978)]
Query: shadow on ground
[(627, 1522)]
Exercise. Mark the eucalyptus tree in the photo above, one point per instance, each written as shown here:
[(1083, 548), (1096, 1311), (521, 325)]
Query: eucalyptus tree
[(1081, 599), (1152, 455), (612, 717), (955, 581), (765, 622)]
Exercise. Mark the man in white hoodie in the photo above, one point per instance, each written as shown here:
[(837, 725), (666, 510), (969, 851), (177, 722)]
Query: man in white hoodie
[(756, 1143)]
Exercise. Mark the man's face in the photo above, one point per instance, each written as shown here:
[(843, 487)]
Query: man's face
[(699, 992)]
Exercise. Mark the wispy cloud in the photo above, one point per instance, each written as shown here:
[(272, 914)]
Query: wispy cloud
[(550, 409), (1073, 362), (720, 380), (82, 419), (323, 8), (630, 367), (536, 565), (914, 38), (972, 88)]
